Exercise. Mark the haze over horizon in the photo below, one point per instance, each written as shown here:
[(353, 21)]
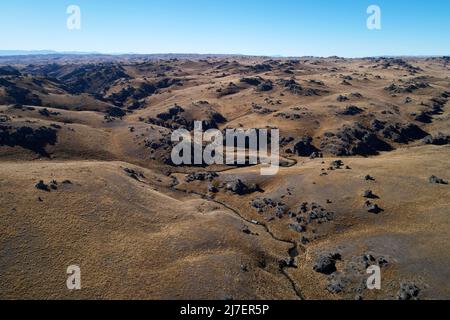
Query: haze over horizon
[(269, 28), (10, 53)]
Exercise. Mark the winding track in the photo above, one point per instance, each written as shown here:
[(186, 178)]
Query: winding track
[(294, 244)]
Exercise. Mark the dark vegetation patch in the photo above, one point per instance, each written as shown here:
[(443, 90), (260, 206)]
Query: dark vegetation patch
[(32, 139)]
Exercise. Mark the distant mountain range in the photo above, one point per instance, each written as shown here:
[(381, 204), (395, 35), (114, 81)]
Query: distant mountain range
[(38, 52), (6, 53)]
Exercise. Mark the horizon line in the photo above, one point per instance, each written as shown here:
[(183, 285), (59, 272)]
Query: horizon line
[(45, 52)]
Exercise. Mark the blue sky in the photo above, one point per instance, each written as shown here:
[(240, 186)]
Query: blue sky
[(261, 27)]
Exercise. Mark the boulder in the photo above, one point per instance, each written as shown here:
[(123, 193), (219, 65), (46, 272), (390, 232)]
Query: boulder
[(408, 291), (326, 264), (434, 179)]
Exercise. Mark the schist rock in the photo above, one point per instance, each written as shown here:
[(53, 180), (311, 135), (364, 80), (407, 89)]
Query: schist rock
[(326, 264)]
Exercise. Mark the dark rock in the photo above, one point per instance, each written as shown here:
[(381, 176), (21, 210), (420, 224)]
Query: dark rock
[(382, 262), (341, 98), (218, 118), (326, 264), (370, 195), (304, 148), (404, 133), (246, 230), (297, 89), (46, 113), (288, 263), (280, 210), (258, 203), (354, 139), (252, 81), (265, 86), (368, 260), (408, 291), (440, 139), (53, 185), (228, 90), (351, 111), (201, 176), (4, 118), (373, 208), (316, 154), (261, 67), (240, 188), (297, 227), (434, 179), (212, 189), (133, 173), (336, 164), (42, 186), (424, 117), (336, 284), (304, 240)]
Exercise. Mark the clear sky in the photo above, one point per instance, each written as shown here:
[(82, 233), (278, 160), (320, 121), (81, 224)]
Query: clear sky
[(260, 27)]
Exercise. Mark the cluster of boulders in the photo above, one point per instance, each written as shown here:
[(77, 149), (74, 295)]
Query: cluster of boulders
[(234, 186), (4, 118), (201, 176), (173, 119), (260, 83), (294, 87), (133, 173), (131, 97), (408, 291), (301, 220), (253, 81), (265, 86), (396, 63), (341, 98), (435, 107), (439, 139), (46, 113), (52, 185), (358, 139), (260, 109), (305, 148), (406, 88), (351, 276), (260, 67), (288, 116), (351, 110), (230, 89), (238, 187)]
